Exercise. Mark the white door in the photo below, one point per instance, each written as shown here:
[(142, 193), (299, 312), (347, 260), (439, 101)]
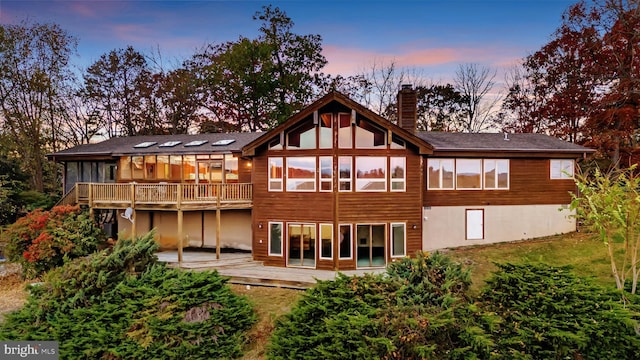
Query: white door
[(475, 224)]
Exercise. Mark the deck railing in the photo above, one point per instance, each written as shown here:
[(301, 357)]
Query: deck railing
[(161, 193)]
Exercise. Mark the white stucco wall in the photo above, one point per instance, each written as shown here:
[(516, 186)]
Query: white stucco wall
[(235, 229), (444, 226)]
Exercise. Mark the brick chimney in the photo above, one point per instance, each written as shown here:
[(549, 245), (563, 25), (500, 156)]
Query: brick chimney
[(407, 108)]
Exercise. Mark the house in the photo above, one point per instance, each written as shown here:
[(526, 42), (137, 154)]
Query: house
[(335, 186)]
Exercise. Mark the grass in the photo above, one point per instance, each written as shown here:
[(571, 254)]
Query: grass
[(587, 256)]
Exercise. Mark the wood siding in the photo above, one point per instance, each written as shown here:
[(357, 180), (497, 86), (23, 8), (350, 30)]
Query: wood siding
[(529, 184)]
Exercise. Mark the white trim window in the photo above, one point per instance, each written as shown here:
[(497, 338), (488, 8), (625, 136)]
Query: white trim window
[(301, 173), (345, 247), (398, 239), (275, 238), (371, 173), (562, 169), (469, 174), (398, 173), (496, 174), (344, 173), (326, 173), (326, 241), (440, 174), (275, 174)]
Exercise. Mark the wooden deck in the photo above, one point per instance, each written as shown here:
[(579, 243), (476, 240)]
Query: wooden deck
[(165, 196), (242, 269)]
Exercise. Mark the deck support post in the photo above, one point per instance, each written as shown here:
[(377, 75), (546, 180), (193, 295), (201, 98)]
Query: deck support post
[(180, 234), (218, 222), (133, 210)]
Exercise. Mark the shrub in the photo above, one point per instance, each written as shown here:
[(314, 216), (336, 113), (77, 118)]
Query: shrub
[(550, 313), (42, 239), (418, 309), (121, 304)]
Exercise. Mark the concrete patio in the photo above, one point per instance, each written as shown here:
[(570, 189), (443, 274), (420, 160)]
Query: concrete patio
[(242, 269)]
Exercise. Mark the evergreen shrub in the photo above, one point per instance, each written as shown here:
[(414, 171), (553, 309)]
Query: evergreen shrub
[(550, 313), (121, 303), (42, 240)]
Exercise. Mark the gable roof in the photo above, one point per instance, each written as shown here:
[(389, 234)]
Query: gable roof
[(424, 147), (499, 142), (120, 146)]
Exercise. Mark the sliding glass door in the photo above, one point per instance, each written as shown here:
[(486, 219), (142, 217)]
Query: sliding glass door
[(302, 245), (371, 241)]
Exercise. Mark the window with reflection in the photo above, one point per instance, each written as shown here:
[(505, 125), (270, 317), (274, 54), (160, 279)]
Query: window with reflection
[(275, 174), (275, 144), (440, 173), (398, 236), (468, 174), (344, 131), (175, 166), (301, 173), (345, 245), (137, 167), (496, 174), (344, 170), (326, 173), (150, 167), (230, 168), (303, 136), (189, 167), (326, 241), (275, 238), (371, 173), (124, 167), (397, 143), (370, 136), (326, 131), (397, 172), (562, 169), (163, 167)]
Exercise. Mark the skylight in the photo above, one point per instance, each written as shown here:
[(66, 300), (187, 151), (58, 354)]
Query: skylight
[(145, 144), (223, 142), (196, 143), (170, 144)]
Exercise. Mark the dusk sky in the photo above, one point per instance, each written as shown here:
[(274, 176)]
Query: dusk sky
[(432, 36)]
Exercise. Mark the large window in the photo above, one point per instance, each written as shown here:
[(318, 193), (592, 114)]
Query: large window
[(275, 238), (137, 164), (163, 167), (326, 241), (496, 174), (344, 131), (175, 165), (230, 168), (398, 236), (468, 174), (371, 173), (440, 173), (275, 174), (326, 173), (562, 169), (189, 167), (301, 173), (124, 167), (303, 136), (398, 172), (326, 133), (150, 167), (370, 136), (344, 168), (345, 242)]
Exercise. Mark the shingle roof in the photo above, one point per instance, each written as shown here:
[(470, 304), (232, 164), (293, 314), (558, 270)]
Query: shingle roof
[(125, 145), (444, 141)]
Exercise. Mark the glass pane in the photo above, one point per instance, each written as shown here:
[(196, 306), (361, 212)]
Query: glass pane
[(447, 173), (150, 167), (397, 143), (326, 133), (163, 166), (433, 166), (301, 174), (275, 239), (344, 131), (468, 173), (326, 167), (489, 174), (503, 173), (397, 240), (175, 163), (326, 243), (231, 168), (567, 169), (345, 241), (370, 173), (302, 137), (275, 168), (189, 167), (124, 167), (302, 242), (556, 166), (137, 163), (397, 167), (369, 136), (275, 144)]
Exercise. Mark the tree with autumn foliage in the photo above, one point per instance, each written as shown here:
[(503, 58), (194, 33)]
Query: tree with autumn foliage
[(586, 80)]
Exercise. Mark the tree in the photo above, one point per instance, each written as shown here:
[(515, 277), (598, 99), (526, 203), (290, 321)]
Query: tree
[(522, 103), (255, 84), (34, 73), (609, 205), (440, 107), (475, 84), (116, 82)]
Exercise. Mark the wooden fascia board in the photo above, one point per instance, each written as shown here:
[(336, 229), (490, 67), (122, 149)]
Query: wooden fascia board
[(510, 154)]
